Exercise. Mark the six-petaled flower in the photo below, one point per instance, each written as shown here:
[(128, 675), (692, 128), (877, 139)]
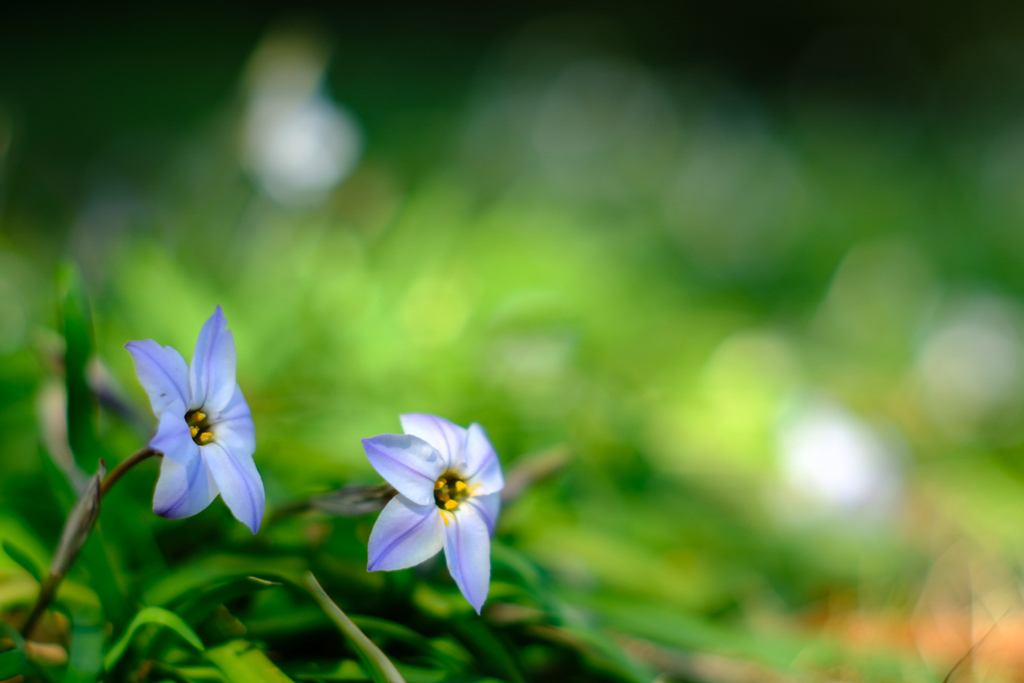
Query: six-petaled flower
[(206, 433), (449, 484)]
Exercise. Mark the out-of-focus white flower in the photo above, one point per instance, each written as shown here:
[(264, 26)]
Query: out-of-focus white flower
[(832, 459), (972, 366), (297, 143)]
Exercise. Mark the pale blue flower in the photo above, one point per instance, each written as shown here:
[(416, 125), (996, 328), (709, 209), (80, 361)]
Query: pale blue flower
[(206, 432), (449, 484)]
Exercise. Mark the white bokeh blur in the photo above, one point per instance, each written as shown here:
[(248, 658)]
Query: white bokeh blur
[(970, 367), (297, 143), (834, 462)]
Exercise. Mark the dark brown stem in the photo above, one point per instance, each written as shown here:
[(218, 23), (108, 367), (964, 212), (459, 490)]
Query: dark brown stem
[(76, 531), (128, 463), (349, 501), (47, 592)]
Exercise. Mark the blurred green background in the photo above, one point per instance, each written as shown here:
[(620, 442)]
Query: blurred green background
[(745, 276)]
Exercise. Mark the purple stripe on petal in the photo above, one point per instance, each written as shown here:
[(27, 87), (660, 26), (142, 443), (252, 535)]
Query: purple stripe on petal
[(172, 437), (404, 535), (183, 489), (483, 469), (447, 437), (406, 462), (234, 426), (488, 507), (162, 372), (212, 375), (239, 482), (467, 549)]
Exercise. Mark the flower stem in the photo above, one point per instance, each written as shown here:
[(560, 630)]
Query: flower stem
[(76, 531), (128, 463), (349, 501), (47, 592)]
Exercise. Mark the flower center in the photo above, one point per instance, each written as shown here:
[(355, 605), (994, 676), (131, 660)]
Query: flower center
[(199, 426), (449, 491)]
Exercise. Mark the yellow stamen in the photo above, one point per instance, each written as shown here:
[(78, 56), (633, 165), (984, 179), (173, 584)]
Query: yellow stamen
[(451, 505), (460, 485), (194, 430), (439, 484), (199, 416), (205, 438)]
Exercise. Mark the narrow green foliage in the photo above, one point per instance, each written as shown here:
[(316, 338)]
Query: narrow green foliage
[(105, 578), (156, 616), (200, 603), (23, 560), (12, 652), (76, 317), (192, 579), (492, 655), (448, 653), (57, 480), (242, 662), (88, 632), (379, 666)]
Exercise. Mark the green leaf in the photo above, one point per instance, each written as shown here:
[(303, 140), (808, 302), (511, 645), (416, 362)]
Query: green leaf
[(58, 480), (105, 579), (411, 638), (191, 674), (17, 590), (23, 560), (278, 624), (491, 653), (12, 656), (76, 317), (82, 417), (242, 662), (601, 653), (379, 666), (195, 577), (197, 607), (351, 670), (88, 632), (344, 670), (156, 616), (201, 603)]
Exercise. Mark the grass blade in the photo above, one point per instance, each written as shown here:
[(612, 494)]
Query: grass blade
[(243, 662), (377, 663), (23, 560), (12, 656), (87, 636), (146, 616)]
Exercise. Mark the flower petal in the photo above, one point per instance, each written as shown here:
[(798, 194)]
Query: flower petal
[(488, 507), (162, 372), (234, 425), (212, 375), (238, 480), (408, 463), (447, 437), (467, 549), (172, 437), (483, 469), (405, 535), (184, 488)]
